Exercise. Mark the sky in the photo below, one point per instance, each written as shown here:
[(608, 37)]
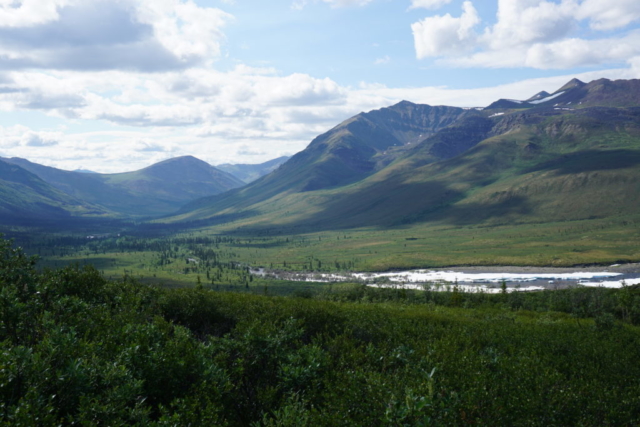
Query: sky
[(117, 85)]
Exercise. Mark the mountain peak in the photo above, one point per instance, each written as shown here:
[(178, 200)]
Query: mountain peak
[(572, 84), (182, 161), (538, 95), (404, 103)]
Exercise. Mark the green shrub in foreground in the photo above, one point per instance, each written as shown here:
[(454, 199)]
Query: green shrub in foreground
[(76, 348)]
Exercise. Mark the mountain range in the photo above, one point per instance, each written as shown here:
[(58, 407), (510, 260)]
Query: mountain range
[(570, 154), (566, 155), (26, 197), (155, 190)]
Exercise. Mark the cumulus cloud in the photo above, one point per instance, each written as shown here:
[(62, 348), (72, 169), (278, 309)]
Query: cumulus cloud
[(609, 15), (533, 33), (530, 21), (299, 89), (29, 12), (445, 35), (575, 52), (148, 147), (563, 54), (17, 136), (144, 35), (32, 139)]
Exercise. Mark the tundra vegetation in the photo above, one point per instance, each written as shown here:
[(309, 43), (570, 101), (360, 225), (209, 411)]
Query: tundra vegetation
[(79, 348)]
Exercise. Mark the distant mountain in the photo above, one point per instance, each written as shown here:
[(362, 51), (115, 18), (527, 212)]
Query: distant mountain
[(538, 96), (83, 171), (572, 154), (577, 94), (25, 197), (249, 173), (156, 190)]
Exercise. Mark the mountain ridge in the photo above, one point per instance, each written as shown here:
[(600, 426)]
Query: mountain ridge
[(25, 198), (477, 166), (152, 191)]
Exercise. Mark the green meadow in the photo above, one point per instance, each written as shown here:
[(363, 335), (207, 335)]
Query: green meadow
[(220, 256)]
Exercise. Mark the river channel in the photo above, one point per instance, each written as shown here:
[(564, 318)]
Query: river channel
[(479, 279)]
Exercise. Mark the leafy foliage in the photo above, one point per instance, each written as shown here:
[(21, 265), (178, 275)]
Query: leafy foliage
[(77, 348)]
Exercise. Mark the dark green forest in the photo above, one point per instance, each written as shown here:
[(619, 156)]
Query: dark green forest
[(77, 348)]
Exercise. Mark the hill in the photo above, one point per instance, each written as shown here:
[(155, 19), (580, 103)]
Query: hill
[(535, 163), (158, 189), (25, 197), (248, 173)]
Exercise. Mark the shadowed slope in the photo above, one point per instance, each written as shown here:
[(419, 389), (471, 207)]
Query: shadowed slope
[(534, 165), (25, 197), (348, 153), (155, 190)]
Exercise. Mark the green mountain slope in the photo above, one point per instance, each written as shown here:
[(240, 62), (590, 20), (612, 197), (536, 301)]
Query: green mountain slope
[(530, 165), (348, 153), (249, 173), (25, 197), (155, 190)]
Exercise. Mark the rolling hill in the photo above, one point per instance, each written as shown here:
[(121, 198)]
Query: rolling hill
[(572, 154), (155, 190), (26, 198)]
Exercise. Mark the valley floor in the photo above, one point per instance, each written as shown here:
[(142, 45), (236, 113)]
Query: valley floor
[(223, 254)]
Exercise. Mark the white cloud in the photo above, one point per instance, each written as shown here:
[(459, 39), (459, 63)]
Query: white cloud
[(609, 15), (147, 35), (33, 139), (574, 52), (530, 21), (27, 13), (428, 4), (445, 35), (18, 136), (185, 29), (381, 61), (532, 33), (146, 146), (563, 54)]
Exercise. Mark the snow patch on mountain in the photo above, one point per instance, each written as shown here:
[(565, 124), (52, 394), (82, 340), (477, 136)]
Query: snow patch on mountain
[(548, 98)]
